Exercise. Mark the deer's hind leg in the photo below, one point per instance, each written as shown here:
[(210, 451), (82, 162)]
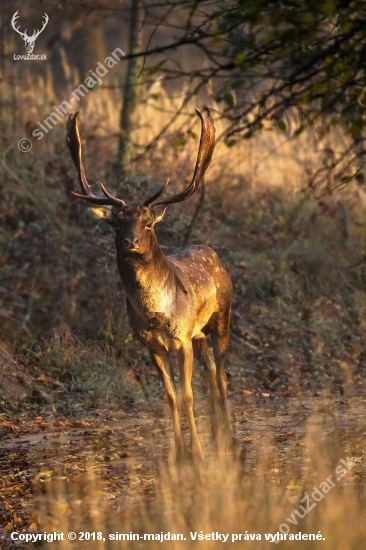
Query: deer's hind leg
[(205, 357), (220, 342)]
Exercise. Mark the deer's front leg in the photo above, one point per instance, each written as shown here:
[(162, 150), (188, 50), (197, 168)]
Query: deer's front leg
[(185, 361), (161, 361)]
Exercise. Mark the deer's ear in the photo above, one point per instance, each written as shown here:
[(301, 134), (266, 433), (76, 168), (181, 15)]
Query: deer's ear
[(158, 216), (103, 213)]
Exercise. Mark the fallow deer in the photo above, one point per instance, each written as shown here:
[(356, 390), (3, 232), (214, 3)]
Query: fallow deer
[(173, 300)]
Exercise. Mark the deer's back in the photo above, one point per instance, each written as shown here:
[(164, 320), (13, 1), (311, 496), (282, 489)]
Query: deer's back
[(201, 270)]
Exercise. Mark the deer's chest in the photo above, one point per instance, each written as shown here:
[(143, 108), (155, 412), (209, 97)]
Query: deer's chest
[(152, 305), (152, 320), (157, 330)]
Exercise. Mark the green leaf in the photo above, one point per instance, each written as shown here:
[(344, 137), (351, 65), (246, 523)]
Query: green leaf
[(229, 100), (178, 142), (328, 7), (240, 58), (281, 125), (356, 129), (299, 130), (155, 68)]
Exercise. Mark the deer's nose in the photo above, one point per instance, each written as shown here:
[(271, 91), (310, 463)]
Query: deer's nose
[(130, 242)]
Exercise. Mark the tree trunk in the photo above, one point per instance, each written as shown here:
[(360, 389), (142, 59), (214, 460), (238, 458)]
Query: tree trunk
[(87, 47), (130, 91)]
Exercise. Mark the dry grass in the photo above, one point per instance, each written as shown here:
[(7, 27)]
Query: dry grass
[(253, 493)]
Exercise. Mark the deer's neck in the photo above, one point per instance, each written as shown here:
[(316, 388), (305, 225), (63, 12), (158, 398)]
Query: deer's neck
[(147, 278)]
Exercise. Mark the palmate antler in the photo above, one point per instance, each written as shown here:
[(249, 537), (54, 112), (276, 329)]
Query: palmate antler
[(205, 151), (74, 144)]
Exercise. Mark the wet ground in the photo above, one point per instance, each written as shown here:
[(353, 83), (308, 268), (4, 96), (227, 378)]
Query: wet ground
[(125, 449)]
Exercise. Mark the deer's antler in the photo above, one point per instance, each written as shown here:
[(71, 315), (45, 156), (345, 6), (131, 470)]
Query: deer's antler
[(13, 22), (206, 148), (74, 144), (37, 33), (24, 34)]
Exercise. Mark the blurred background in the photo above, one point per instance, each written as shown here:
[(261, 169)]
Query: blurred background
[(284, 207)]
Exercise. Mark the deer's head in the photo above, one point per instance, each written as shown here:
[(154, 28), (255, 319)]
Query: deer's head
[(134, 224), (29, 40)]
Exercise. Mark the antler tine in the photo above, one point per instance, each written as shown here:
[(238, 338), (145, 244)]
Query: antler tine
[(120, 202), (74, 144), (14, 20), (157, 195), (46, 19), (205, 151)]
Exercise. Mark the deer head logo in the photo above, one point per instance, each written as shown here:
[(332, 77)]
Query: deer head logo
[(29, 40)]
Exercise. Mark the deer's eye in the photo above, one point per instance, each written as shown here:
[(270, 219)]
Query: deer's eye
[(149, 225)]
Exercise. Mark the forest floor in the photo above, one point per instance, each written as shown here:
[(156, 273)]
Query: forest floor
[(126, 448)]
